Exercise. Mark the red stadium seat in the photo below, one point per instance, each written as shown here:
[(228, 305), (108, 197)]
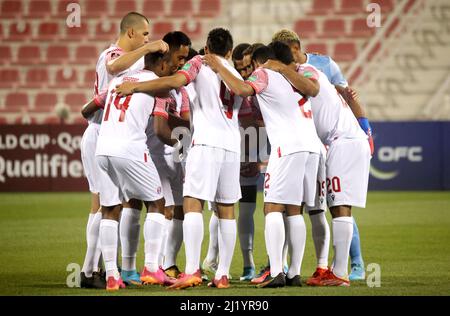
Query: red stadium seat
[(2, 32), (319, 48), (360, 29), (16, 99), (105, 31), (96, 8), (345, 52), (11, 9), (5, 55), (181, 8), (65, 78), (53, 120), (3, 120), (19, 31), (77, 33), (305, 28), (36, 78), (160, 29), (48, 31), (352, 7), (193, 29), (386, 5), (57, 54), (123, 7), (25, 119), (333, 28), (9, 78), (322, 7), (209, 8), (75, 101), (45, 100), (39, 9), (29, 55), (153, 8), (89, 79), (86, 55)]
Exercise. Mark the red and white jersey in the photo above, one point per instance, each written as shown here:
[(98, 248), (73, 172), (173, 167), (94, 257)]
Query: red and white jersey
[(125, 119), (214, 111), (287, 115), (332, 116), (103, 77), (176, 104)]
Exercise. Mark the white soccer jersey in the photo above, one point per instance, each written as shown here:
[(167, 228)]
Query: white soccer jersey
[(214, 112), (177, 104), (287, 115), (332, 116), (103, 77), (122, 132)]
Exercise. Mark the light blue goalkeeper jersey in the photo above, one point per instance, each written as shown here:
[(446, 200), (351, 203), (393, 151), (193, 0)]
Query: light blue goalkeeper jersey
[(329, 67)]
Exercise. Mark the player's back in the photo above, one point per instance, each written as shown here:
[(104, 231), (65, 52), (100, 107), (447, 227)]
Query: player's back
[(332, 115), (103, 77), (286, 114), (125, 119), (214, 111)]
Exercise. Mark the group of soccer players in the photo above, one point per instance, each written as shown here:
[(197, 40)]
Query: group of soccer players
[(147, 93)]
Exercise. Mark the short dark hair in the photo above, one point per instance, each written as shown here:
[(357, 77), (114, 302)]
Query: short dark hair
[(249, 50), (177, 39), (219, 41), (130, 20), (282, 52), (238, 51), (152, 59), (262, 54), (192, 53), (201, 51)]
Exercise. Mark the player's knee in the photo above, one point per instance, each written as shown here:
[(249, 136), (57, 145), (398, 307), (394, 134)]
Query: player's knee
[(340, 211)]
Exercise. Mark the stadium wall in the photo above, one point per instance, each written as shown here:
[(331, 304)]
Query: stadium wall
[(42, 158)]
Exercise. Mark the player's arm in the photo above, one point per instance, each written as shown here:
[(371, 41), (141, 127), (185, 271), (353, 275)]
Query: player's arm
[(152, 87), (163, 130), (235, 84), (175, 121), (308, 86), (97, 103), (125, 61)]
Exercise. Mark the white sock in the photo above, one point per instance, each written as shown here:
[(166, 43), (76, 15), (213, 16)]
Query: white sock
[(193, 237), (227, 241), (321, 236), (162, 252), (95, 228), (342, 238), (246, 232), (213, 247), (108, 239), (153, 230), (91, 240), (129, 237), (286, 241), (297, 240), (174, 241), (274, 235)]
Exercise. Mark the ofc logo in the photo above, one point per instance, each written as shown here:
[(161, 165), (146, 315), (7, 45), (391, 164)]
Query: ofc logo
[(389, 154), (395, 154)]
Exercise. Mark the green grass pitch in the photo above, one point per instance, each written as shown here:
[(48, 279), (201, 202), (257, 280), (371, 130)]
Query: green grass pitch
[(406, 233)]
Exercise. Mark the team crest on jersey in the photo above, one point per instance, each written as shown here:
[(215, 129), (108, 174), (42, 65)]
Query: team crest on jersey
[(332, 196), (186, 66), (158, 190), (307, 74)]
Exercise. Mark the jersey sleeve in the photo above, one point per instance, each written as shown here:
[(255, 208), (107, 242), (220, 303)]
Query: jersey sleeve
[(308, 72), (113, 54), (337, 78), (191, 69), (258, 80), (161, 106), (184, 101)]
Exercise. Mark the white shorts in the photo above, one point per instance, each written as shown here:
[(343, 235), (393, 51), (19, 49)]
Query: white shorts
[(320, 201), (285, 178), (172, 177), (212, 174), (88, 144), (132, 180), (347, 168), (310, 180)]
